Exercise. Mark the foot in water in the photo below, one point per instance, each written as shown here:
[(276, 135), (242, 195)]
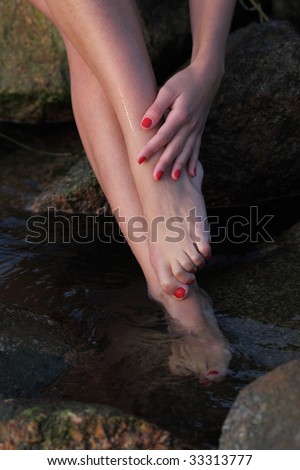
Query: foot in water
[(198, 346)]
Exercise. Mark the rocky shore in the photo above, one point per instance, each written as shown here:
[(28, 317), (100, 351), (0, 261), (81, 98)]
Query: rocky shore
[(250, 153)]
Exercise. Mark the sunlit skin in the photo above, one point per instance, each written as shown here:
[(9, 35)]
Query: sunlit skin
[(147, 168)]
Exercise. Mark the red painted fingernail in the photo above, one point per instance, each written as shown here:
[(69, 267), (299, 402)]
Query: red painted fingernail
[(177, 174), (179, 293), (159, 175), (141, 160), (213, 372), (147, 122)]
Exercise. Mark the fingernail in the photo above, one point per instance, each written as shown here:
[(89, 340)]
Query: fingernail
[(177, 174), (213, 372), (195, 171), (159, 175), (141, 160), (147, 122), (179, 293)]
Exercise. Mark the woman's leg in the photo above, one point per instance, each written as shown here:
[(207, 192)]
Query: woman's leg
[(109, 37), (104, 143)]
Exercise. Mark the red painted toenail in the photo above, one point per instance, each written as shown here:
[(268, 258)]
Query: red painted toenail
[(190, 283), (195, 171), (179, 293), (159, 175), (141, 160), (177, 174), (213, 372), (147, 122)]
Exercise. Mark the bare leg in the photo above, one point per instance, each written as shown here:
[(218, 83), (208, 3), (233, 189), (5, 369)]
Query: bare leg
[(104, 143)]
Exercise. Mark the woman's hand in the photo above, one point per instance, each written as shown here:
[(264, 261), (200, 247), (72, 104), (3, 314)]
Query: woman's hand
[(187, 97)]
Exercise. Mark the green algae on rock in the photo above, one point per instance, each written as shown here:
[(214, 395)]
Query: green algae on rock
[(37, 424)]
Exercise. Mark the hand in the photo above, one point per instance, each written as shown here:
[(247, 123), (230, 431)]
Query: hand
[(187, 96)]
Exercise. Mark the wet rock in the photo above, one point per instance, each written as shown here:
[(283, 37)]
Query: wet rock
[(252, 139), (76, 191), (34, 83), (74, 426), (262, 285), (266, 413), (287, 10), (34, 351)]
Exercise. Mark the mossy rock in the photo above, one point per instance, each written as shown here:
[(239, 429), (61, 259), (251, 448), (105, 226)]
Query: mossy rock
[(37, 424)]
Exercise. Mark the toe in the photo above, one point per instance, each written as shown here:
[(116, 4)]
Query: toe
[(169, 284), (182, 275)]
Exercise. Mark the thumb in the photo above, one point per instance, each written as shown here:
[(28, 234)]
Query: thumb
[(155, 113)]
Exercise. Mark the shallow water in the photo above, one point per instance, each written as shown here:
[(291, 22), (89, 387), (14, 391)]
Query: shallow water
[(98, 291)]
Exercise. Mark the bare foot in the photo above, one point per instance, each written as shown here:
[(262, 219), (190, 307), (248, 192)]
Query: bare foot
[(198, 346), (179, 233)]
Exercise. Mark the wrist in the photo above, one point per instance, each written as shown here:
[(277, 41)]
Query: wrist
[(212, 65)]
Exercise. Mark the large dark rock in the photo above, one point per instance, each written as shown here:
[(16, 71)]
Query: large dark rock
[(34, 76), (251, 144), (34, 351), (266, 414), (287, 10), (74, 426)]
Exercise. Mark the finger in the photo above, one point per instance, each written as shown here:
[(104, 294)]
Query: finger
[(163, 136), (172, 150), (192, 165), (155, 113), (183, 158)]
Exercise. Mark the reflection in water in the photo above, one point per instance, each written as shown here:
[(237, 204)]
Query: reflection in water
[(99, 292)]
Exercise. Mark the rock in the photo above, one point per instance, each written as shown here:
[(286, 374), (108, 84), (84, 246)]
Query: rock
[(287, 10), (262, 286), (266, 413), (34, 80), (34, 83), (76, 191), (251, 143), (74, 426), (34, 351)]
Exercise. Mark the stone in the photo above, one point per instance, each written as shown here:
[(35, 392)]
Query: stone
[(34, 74), (76, 191), (266, 413), (287, 10), (35, 350), (38, 424), (251, 142)]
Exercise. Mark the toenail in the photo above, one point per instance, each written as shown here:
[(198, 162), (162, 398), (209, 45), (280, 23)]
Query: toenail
[(141, 160), (213, 372), (179, 293), (190, 283)]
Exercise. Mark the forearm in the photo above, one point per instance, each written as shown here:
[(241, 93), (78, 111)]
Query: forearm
[(210, 23)]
